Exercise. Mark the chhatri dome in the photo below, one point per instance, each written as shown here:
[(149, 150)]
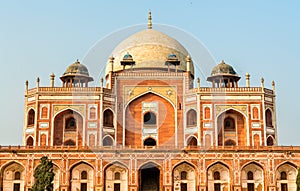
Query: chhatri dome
[(150, 50), (76, 74)]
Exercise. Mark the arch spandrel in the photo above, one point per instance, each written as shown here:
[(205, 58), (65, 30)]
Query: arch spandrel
[(78, 108), (221, 108), (167, 92)]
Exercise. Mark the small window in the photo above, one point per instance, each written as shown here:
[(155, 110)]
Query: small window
[(270, 141), (250, 175), (117, 176), (70, 143), (229, 143), (269, 118), (149, 142), (83, 175), (229, 124), (70, 124), (283, 176), (192, 142), (30, 119), (108, 141), (217, 175), (150, 118), (183, 175), (17, 176), (29, 141), (191, 118), (108, 118)]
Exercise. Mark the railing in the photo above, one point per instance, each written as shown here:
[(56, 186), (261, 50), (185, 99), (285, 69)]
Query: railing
[(154, 148), (97, 90), (240, 89), (69, 89)]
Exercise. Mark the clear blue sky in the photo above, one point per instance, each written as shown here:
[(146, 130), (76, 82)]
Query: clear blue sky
[(40, 37)]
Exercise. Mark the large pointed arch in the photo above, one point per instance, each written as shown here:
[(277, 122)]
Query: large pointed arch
[(135, 130)]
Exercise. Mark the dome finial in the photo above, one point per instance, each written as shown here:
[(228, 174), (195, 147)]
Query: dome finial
[(149, 20)]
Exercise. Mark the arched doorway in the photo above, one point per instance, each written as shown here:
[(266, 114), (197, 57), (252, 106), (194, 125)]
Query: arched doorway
[(149, 177)]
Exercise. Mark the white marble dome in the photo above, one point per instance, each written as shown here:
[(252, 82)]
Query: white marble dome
[(149, 49)]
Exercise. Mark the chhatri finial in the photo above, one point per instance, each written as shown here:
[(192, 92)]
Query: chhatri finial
[(149, 20)]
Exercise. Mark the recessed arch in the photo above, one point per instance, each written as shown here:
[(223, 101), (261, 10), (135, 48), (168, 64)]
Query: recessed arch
[(115, 176), (184, 176), (229, 142), (136, 130), (150, 142), (231, 124), (149, 118), (192, 141), (29, 141), (79, 182), (108, 118), (150, 176), (72, 122), (269, 117), (218, 174), (108, 140), (270, 140), (286, 174), (191, 118), (13, 176), (253, 175), (31, 117)]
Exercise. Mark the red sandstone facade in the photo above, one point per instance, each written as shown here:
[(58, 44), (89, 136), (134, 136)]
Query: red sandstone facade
[(148, 128)]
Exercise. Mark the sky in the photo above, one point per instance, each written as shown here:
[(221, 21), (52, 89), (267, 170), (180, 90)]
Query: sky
[(254, 36)]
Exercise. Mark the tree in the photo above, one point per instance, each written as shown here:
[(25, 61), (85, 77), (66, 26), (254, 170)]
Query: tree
[(298, 180), (43, 175)]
